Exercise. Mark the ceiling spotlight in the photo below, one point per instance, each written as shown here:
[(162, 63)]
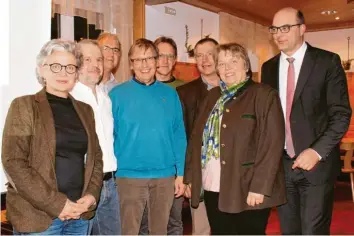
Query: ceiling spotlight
[(337, 18), (329, 12)]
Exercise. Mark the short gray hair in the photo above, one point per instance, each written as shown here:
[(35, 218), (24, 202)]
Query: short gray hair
[(88, 41), (56, 45)]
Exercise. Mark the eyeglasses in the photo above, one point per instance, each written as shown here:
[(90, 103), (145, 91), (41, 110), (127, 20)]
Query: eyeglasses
[(169, 57), (139, 61), (114, 50), (230, 64), (200, 56), (283, 28), (56, 68)]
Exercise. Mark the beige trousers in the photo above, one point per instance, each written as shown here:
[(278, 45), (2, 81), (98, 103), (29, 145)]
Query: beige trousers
[(135, 194), (200, 220)]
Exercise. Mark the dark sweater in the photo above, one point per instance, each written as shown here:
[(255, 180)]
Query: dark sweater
[(71, 147)]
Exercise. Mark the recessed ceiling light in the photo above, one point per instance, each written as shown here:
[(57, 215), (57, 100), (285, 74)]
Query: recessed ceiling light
[(337, 18), (329, 12)]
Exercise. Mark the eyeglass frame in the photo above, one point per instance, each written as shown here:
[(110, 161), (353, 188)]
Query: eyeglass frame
[(169, 57), (279, 28), (200, 56), (61, 68), (230, 63), (105, 47), (139, 61)]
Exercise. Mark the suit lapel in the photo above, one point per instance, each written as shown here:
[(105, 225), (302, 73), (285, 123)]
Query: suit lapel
[(200, 92), (274, 74), (305, 72), (45, 112), (90, 153)]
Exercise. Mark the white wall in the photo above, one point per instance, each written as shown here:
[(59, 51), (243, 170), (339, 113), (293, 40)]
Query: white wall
[(29, 29), (254, 61), (67, 27), (334, 41), (160, 24)]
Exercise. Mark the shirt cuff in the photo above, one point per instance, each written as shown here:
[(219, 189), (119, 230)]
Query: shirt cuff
[(319, 156)]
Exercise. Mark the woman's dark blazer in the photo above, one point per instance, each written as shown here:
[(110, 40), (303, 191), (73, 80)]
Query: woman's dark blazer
[(251, 148)]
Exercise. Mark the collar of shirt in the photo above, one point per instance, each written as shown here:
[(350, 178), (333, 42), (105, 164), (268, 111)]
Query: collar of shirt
[(298, 55), (84, 94), (206, 82), (172, 79), (112, 78), (141, 83), (284, 65), (109, 85)]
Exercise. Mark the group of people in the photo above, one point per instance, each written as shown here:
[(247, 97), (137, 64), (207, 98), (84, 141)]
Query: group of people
[(86, 155)]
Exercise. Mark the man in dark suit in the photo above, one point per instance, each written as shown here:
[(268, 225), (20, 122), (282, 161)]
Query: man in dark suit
[(313, 91), (191, 96)]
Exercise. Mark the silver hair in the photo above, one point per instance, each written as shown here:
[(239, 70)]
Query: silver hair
[(88, 41), (56, 45)]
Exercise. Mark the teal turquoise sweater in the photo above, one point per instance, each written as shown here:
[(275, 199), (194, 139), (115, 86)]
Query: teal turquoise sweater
[(149, 134)]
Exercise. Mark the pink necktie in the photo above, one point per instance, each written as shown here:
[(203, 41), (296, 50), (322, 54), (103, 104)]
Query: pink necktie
[(290, 89)]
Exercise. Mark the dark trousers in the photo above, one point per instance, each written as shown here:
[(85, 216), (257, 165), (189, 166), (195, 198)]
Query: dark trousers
[(309, 207), (245, 223)]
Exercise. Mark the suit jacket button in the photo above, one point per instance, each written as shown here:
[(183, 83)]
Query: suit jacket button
[(224, 125), (223, 162), (222, 145), (227, 110)]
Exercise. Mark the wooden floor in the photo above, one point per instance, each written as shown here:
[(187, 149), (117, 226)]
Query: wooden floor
[(342, 220)]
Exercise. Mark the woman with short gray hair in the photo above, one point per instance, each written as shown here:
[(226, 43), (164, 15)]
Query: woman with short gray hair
[(50, 151), (56, 45)]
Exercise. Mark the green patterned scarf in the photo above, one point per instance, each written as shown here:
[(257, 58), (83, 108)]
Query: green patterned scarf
[(211, 133)]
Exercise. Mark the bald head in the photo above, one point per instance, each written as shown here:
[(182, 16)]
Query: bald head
[(291, 13), (288, 30)]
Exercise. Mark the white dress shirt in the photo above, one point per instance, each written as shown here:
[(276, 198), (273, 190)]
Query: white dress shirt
[(283, 74), (102, 109)]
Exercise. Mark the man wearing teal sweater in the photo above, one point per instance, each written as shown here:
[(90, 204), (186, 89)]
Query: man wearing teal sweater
[(149, 143), (166, 62)]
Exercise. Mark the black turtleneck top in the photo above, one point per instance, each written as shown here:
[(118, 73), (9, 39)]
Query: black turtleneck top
[(71, 147)]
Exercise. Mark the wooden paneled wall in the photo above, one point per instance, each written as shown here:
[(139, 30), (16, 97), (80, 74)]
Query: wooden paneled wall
[(350, 79)]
